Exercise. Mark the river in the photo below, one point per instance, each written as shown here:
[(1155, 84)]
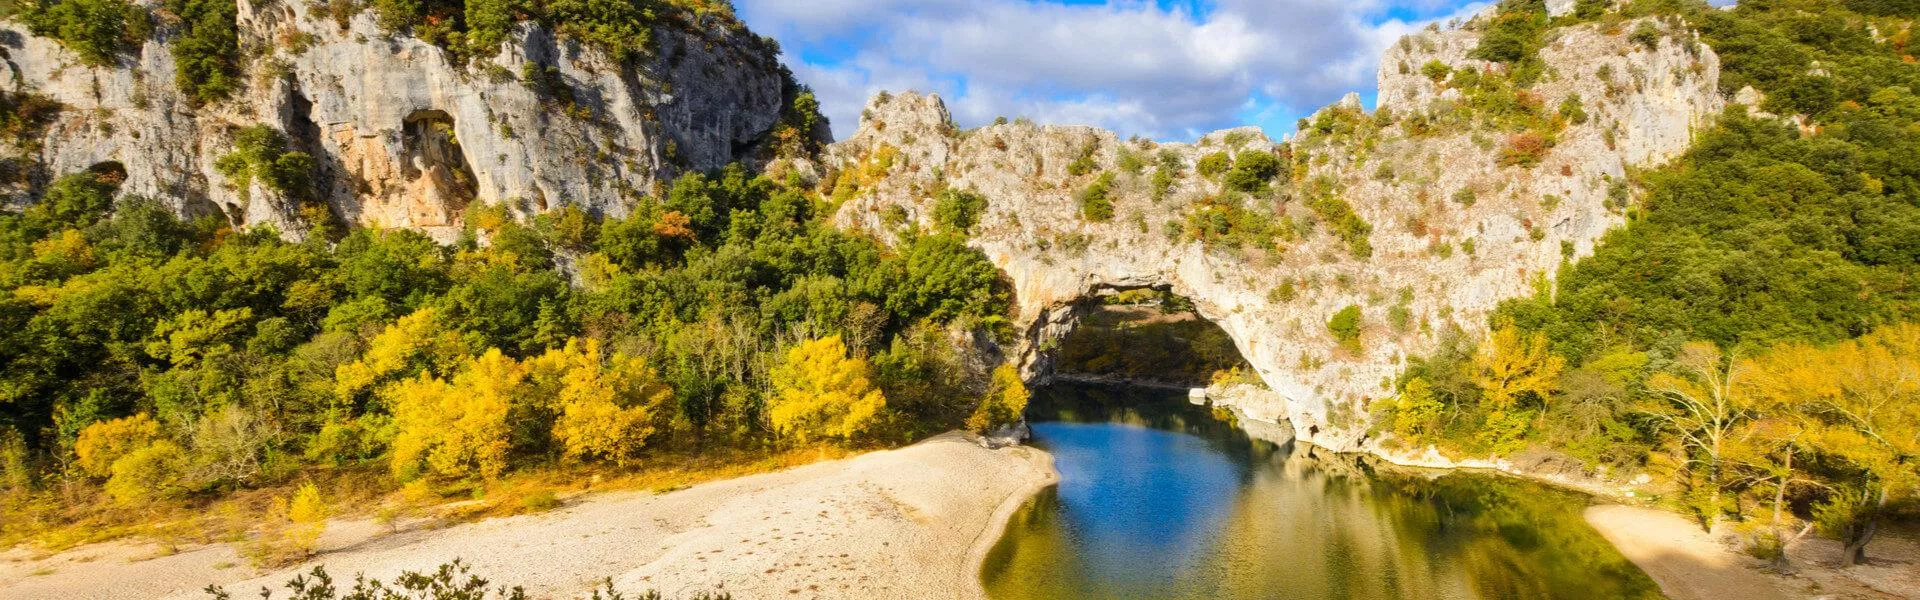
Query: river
[(1162, 499)]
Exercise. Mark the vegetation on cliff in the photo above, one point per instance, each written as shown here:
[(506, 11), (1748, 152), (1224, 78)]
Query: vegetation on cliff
[(1742, 338)]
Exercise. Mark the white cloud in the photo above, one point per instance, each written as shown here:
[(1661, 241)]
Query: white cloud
[(1129, 65)]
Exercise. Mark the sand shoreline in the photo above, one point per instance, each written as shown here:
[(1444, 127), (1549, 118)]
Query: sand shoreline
[(887, 524)]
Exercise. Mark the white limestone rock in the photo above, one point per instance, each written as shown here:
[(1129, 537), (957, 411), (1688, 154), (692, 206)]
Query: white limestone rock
[(404, 136)]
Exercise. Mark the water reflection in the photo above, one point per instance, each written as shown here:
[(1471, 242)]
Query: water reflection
[(1160, 500)]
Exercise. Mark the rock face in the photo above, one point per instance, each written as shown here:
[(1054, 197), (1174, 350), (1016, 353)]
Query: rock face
[(1439, 258), (404, 136)]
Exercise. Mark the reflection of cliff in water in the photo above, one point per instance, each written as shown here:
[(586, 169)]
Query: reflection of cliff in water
[(1213, 514)]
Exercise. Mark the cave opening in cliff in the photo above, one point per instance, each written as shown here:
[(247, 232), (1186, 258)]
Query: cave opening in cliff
[(1145, 336), (433, 153)]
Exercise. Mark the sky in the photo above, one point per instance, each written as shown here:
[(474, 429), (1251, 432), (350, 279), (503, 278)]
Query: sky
[(1163, 69)]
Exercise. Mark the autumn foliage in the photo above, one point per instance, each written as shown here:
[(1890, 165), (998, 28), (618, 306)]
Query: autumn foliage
[(822, 393)]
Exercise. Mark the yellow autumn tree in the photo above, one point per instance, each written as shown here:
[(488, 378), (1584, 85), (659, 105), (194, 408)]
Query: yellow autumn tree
[(820, 392), (416, 343), (1510, 365), (103, 442), (1005, 403), (1861, 401), (307, 514), (458, 428), (1417, 410), (605, 407)]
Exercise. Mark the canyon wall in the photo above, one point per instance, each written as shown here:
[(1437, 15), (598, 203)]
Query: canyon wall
[(406, 134)]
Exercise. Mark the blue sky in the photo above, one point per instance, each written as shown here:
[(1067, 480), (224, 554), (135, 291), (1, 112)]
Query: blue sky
[(1166, 69)]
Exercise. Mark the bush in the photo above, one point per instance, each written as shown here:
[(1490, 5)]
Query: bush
[(206, 52), (1214, 164), (96, 30), (1252, 172), (104, 442), (959, 210), (1346, 224), (153, 472), (1345, 326), (1094, 202), (1647, 35), (260, 151), (1573, 110), (1525, 150), (451, 581)]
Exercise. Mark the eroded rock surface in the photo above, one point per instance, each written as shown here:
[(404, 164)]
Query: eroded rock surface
[(1437, 260), (405, 136)]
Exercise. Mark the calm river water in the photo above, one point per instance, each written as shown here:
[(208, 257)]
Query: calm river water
[(1157, 499)]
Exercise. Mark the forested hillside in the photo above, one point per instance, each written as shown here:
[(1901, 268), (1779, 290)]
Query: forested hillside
[(151, 362), (1746, 336)]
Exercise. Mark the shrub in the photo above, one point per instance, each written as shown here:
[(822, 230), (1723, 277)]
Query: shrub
[(1162, 183), (1004, 404), (819, 392), (1514, 37), (260, 151), (1436, 71), (1345, 326), (1466, 196), (206, 52), (1214, 164), (1525, 149), (451, 581), (96, 30), (959, 210), (309, 511), (1647, 35), (1573, 110), (1252, 172), (104, 442), (1345, 223), (1095, 205), (152, 472)]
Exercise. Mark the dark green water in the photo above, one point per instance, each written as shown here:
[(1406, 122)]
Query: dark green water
[(1159, 500)]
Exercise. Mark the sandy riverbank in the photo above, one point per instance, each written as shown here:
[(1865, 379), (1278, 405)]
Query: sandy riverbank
[(1690, 564), (903, 523)]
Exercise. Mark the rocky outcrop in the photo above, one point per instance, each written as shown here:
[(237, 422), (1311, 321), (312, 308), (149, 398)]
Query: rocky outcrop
[(1440, 258), (407, 135)]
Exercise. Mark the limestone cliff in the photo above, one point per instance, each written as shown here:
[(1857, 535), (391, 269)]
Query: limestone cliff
[(405, 134), (1438, 258)]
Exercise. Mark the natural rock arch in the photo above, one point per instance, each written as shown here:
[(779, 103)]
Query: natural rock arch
[(1275, 303)]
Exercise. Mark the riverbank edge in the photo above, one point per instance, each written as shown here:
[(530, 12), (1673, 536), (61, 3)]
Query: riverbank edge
[(1745, 579), (996, 526)]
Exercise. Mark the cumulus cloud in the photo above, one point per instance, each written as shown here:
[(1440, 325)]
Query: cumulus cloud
[(1162, 69)]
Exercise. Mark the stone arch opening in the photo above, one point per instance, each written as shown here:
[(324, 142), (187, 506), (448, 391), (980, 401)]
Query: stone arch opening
[(1144, 335)]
